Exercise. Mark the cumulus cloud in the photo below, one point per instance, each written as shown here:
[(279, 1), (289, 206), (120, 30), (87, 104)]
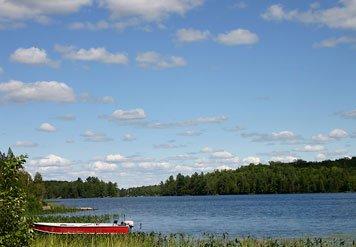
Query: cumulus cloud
[(102, 166), (320, 157), (237, 37), (335, 134), (32, 56), (342, 16), (333, 42), (128, 137), (20, 92), (50, 161), (91, 136), (99, 54), (25, 144), (311, 148), (251, 160), (12, 13), (222, 155), (152, 59), (285, 136), (147, 10), (286, 159), (338, 134), (47, 127), (128, 115), (189, 35)]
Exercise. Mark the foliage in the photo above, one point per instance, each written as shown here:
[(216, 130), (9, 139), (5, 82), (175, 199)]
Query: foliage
[(15, 227), (296, 177), (178, 240), (91, 187)]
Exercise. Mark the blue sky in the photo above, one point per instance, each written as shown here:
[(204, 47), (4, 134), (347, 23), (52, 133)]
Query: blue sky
[(133, 92)]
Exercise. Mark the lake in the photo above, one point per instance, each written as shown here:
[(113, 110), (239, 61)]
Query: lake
[(292, 215)]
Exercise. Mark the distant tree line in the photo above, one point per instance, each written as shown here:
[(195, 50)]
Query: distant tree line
[(91, 187), (276, 177)]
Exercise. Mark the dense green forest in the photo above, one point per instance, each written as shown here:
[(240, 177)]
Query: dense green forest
[(91, 187), (276, 177)]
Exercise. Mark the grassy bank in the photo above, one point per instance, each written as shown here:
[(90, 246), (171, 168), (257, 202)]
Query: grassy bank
[(178, 240)]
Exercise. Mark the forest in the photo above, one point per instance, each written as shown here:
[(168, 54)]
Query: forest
[(276, 177), (91, 187), (272, 178)]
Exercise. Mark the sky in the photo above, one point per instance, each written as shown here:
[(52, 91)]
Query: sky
[(136, 91)]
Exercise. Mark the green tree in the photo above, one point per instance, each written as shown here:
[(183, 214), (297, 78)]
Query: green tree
[(15, 227)]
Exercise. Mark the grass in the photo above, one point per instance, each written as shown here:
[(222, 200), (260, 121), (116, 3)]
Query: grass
[(177, 240)]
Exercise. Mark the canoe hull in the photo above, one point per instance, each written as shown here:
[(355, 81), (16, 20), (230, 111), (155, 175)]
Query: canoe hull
[(81, 228)]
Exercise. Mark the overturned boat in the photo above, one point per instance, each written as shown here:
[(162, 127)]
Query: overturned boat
[(84, 228)]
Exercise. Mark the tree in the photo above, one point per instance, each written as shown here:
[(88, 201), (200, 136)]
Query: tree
[(15, 227)]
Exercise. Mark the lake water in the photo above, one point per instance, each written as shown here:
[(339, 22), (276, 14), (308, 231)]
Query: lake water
[(255, 215)]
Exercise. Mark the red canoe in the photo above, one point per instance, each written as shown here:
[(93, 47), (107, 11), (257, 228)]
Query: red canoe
[(84, 228)]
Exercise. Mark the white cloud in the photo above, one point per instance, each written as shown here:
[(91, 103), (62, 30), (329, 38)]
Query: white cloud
[(311, 148), (332, 42), (251, 160), (128, 137), (286, 159), (25, 144), (341, 16), (222, 155), (53, 91), (320, 157), (15, 11), (99, 54), (103, 166), (335, 134), (188, 35), (47, 127), (338, 134), (115, 158), (127, 115), (146, 10), (152, 59), (285, 136), (237, 37), (50, 160), (224, 167), (32, 56), (91, 136)]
